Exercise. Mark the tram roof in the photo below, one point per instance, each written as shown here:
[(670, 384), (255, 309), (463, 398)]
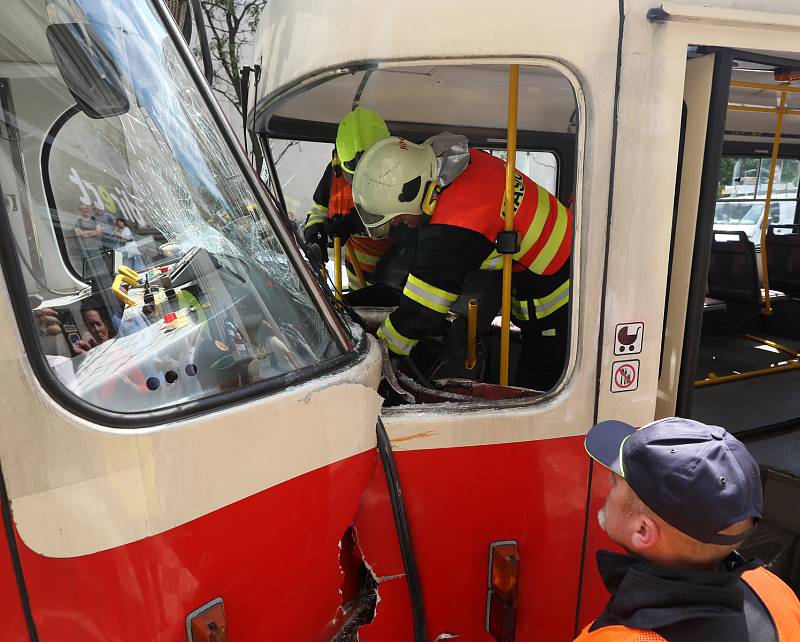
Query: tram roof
[(304, 44)]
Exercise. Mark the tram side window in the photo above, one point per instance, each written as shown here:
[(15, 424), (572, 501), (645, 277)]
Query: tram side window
[(742, 189), (153, 275), (459, 113)]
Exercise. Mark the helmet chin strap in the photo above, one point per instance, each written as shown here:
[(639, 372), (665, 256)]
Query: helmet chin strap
[(431, 198)]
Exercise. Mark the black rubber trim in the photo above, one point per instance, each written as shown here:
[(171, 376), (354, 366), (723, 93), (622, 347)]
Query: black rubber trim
[(612, 174), (704, 231), (5, 509), (675, 203), (742, 55), (403, 532), (44, 164)]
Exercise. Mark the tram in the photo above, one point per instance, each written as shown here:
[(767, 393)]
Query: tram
[(200, 442)]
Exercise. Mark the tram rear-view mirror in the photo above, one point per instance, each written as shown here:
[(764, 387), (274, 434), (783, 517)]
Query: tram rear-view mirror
[(88, 70)]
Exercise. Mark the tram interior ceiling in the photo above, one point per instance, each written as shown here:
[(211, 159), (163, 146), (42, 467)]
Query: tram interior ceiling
[(458, 358), (747, 368)]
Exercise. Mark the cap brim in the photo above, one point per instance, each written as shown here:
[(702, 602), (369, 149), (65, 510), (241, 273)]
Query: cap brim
[(604, 443)]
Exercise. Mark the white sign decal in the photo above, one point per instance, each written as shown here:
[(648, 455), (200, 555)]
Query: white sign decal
[(624, 376), (628, 338)]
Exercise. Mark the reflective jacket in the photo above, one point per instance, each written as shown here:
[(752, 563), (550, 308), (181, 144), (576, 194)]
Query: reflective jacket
[(460, 238), (474, 201)]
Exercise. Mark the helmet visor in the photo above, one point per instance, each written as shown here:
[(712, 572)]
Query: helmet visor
[(375, 224)]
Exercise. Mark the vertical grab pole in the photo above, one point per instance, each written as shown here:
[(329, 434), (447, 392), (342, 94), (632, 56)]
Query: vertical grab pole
[(767, 309), (351, 255), (337, 265), (508, 206), (472, 332)]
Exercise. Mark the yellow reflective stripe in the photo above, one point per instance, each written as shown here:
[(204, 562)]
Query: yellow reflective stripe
[(352, 279), (397, 342), (428, 295), (553, 301), (547, 253), (314, 220), (537, 223), (492, 262), (549, 333), (367, 259), (317, 214), (520, 309)]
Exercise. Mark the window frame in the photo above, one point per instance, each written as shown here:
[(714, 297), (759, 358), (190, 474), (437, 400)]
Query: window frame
[(354, 346), (570, 163)]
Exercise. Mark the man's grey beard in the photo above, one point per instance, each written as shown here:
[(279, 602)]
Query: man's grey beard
[(601, 518)]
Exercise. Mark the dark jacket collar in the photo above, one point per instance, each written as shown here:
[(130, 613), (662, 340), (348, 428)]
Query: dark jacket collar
[(648, 596)]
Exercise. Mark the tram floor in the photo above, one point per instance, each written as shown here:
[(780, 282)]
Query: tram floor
[(750, 403)]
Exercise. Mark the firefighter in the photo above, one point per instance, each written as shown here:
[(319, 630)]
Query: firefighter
[(332, 213), (683, 496), (456, 194)]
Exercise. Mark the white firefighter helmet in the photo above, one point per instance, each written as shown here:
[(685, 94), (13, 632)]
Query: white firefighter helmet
[(391, 180)]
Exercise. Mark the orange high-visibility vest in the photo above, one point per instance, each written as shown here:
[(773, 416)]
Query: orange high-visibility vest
[(475, 201), (780, 600)]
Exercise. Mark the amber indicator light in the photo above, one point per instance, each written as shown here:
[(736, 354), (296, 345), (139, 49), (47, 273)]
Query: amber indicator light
[(501, 599)]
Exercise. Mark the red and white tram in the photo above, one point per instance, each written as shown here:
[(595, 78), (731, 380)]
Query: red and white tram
[(188, 439)]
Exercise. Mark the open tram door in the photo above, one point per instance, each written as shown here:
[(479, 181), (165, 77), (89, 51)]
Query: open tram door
[(731, 346)]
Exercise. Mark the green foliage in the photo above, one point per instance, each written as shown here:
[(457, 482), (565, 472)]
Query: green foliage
[(230, 25)]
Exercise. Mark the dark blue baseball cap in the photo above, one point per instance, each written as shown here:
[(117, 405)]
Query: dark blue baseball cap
[(698, 478)]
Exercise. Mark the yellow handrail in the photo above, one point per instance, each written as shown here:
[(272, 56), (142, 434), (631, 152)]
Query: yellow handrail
[(762, 110), (351, 255), (774, 344), (472, 331), (713, 379), (511, 157), (763, 85), (767, 309), (337, 265)]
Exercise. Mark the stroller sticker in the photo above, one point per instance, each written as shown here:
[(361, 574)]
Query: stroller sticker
[(628, 338)]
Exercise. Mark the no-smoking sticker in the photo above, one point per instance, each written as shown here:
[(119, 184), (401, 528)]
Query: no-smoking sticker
[(624, 376)]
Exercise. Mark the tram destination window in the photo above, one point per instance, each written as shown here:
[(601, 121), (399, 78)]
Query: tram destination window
[(455, 109), (153, 276)]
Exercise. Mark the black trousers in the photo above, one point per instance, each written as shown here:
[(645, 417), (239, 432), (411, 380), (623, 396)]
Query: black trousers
[(545, 339)]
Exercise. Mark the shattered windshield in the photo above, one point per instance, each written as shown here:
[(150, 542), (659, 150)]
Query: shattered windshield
[(154, 276)]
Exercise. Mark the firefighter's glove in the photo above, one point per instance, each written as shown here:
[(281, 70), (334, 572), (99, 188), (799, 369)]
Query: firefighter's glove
[(344, 226), (315, 235)]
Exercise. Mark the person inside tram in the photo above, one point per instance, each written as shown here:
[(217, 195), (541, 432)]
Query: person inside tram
[(332, 213), (683, 497), (454, 193)]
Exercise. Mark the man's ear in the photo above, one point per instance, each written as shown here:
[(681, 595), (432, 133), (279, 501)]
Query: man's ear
[(646, 533)]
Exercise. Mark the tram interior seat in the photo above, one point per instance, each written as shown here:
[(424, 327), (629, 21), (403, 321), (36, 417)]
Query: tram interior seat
[(783, 258), (733, 280)]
